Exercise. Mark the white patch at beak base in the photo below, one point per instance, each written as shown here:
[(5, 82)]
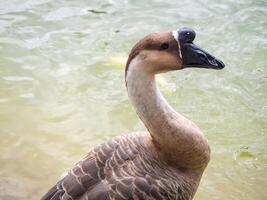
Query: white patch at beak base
[(175, 35)]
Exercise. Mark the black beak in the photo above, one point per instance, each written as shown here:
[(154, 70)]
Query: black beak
[(194, 56)]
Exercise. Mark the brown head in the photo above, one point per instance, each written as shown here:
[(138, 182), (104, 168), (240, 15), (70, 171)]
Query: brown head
[(166, 51)]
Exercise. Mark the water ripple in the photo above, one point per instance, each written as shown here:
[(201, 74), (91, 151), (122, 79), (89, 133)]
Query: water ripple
[(62, 89)]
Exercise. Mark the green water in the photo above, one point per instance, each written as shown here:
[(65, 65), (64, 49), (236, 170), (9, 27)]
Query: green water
[(62, 87)]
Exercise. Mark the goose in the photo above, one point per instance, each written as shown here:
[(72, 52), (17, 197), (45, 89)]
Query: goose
[(167, 161)]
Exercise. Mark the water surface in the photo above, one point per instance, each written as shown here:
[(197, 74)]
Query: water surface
[(62, 87)]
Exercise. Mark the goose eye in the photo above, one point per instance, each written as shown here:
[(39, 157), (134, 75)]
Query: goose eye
[(164, 46)]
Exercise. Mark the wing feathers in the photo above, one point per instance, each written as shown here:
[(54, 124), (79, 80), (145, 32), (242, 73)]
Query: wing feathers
[(120, 169)]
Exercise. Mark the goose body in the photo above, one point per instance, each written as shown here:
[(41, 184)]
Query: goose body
[(168, 160)]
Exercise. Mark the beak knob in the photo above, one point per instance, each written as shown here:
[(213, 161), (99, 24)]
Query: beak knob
[(186, 35)]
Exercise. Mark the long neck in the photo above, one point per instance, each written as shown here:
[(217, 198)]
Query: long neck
[(179, 139)]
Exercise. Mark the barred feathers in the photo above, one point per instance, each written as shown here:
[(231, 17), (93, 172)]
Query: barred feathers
[(122, 169)]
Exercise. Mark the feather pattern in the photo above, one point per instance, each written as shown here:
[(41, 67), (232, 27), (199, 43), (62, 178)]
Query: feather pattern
[(122, 168)]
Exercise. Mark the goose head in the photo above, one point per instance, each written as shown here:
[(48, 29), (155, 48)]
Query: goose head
[(166, 51)]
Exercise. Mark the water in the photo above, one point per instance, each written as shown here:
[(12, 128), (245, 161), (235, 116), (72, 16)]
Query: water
[(62, 87)]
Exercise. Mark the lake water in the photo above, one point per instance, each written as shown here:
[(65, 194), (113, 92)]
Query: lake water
[(62, 87)]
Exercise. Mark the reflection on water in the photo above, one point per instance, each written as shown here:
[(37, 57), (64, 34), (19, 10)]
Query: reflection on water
[(62, 89)]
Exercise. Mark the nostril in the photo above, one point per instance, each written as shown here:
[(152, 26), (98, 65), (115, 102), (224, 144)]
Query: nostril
[(202, 56), (214, 62)]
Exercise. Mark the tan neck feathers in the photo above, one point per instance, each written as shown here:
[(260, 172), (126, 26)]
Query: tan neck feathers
[(178, 137)]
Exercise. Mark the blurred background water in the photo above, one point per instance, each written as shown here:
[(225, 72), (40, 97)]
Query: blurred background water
[(62, 87)]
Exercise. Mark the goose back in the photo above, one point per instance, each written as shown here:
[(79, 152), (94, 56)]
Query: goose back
[(124, 168)]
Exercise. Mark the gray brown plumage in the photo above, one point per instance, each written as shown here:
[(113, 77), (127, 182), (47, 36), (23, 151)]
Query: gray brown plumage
[(165, 163), (122, 168)]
